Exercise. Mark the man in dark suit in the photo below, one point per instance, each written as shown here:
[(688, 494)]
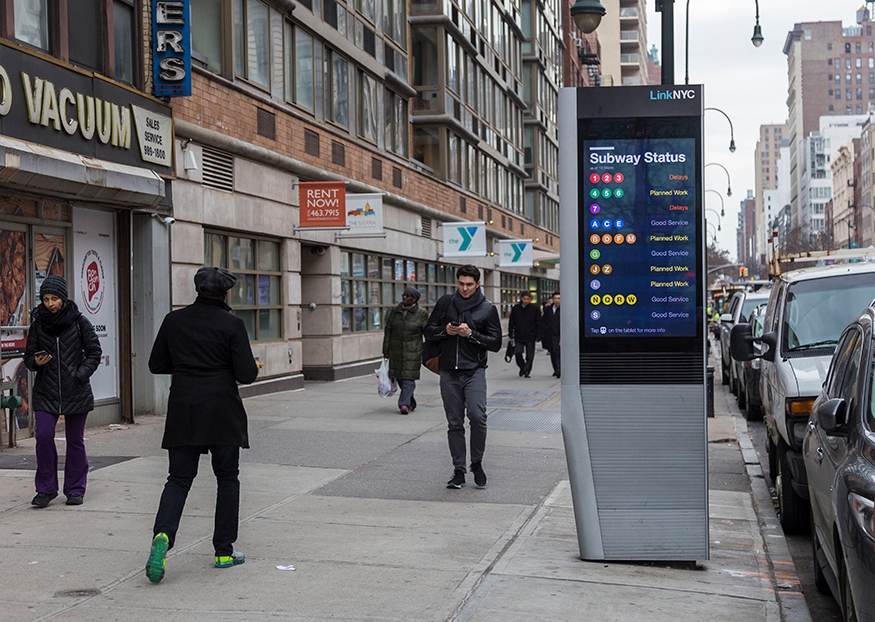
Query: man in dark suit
[(551, 334), (524, 328), (207, 350)]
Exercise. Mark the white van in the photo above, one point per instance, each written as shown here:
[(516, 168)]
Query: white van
[(807, 312)]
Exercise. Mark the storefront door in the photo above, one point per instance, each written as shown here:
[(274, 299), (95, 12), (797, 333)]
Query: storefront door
[(22, 274)]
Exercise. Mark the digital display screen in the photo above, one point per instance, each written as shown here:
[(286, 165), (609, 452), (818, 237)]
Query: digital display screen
[(639, 238)]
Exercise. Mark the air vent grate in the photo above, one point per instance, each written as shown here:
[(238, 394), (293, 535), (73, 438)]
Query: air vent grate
[(396, 177), (218, 169), (266, 123), (426, 228), (311, 143), (377, 169), (338, 153)]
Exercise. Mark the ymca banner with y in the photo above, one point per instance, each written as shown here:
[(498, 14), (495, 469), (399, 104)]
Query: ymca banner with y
[(515, 254), (464, 239)]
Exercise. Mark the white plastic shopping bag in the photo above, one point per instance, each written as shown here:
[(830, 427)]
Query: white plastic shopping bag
[(386, 386)]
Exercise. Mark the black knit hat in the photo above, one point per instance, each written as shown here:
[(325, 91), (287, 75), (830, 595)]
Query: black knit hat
[(412, 291), (54, 284), (213, 281)]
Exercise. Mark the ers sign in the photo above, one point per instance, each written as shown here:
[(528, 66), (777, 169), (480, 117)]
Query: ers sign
[(323, 204)]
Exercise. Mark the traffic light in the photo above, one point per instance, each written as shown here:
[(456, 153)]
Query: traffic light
[(744, 272)]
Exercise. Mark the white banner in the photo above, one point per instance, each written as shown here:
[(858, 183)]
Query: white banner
[(94, 290), (464, 239), (515, 254), (364, 213)]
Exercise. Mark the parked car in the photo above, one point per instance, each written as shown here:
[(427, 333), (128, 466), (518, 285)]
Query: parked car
[(839, 453), (748, 372), (741, 304), (807, 311)]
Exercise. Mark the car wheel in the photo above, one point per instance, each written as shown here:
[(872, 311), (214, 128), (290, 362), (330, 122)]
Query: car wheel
[(849, 611), (772, 453), (819, 577), (724, 373), (751, 412), (793, 508)]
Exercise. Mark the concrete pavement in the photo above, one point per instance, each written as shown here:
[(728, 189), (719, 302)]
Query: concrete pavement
[(352, 494)]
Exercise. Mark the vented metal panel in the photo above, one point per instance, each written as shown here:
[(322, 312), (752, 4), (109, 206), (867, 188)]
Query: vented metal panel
[(338, 153), (265, 122), (218, 170), (642, 368), (426, 227), (648, 448)]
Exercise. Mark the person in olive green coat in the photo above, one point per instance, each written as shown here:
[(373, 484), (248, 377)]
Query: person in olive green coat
[(402, 345)]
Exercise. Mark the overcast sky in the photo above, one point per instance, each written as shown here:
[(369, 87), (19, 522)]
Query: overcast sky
[(748, 83)]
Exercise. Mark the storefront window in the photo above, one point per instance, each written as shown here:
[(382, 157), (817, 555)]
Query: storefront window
[(371, 285), (511, 286), (256, 297)]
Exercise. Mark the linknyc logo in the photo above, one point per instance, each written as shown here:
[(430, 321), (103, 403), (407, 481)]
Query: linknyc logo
[(673, 94)]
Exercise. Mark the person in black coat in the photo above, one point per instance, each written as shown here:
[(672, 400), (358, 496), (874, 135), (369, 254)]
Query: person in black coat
[(551, 334), (466, 326), (63, 349), (207, 350), (524, 328)]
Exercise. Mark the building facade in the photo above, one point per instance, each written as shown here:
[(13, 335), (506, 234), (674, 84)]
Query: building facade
[(831, 71), (623, 40), (766, 158)]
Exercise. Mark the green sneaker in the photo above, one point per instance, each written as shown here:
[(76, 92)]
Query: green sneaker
[(157, 558), (227, 561)]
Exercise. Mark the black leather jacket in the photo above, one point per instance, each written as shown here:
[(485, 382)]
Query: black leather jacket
[(464, 353)]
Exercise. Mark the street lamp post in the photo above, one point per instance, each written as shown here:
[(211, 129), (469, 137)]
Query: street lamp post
[(731, 133), (714, 234), (587, 14), (728, 179), (719, 196), (719, 222)]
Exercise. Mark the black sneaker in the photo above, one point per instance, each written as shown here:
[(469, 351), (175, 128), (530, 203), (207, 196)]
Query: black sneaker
[(75, 499), (458, 479), (479, 475), (42, 499)]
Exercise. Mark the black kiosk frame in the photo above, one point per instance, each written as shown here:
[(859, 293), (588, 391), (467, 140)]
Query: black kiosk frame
[(633, 278)]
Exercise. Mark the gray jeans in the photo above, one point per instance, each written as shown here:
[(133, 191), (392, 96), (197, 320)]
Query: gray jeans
[(405, 397), (464, 391)]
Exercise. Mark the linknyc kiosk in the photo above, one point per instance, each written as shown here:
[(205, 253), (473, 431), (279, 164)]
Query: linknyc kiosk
[(633, 333)]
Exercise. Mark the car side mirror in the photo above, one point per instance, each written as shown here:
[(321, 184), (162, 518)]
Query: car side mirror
[(771, 340), (726, 318), (741, 343), (832, 416)]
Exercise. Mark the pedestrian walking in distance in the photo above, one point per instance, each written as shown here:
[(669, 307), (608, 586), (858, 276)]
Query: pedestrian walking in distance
[(402, 345), (63, 349), (207, 350), (551, 334), (545, 341), (524, 328), (466, 326)]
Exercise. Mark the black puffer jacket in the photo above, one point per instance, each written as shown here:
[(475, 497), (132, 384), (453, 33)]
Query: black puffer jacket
[(62, 385), (465, 353)]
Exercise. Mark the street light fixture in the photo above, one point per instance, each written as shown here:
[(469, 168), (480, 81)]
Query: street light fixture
[(731, 132), (587, 14), (714, 238), (719, 222), (720, 196), (728, 179), (757, 38)]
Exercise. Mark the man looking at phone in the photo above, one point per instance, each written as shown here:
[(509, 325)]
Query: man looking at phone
[(466, 325)]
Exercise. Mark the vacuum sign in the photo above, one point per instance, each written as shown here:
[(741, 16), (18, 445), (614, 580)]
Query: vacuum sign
[(172, 48)]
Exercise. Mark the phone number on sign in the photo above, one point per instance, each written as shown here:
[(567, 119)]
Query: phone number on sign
[(324, 213)]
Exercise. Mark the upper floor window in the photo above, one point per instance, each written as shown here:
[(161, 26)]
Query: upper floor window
[(369, 107), (300, 76), (252, 41), (79, 39), (336, 71), (206, 34), (395, 20)]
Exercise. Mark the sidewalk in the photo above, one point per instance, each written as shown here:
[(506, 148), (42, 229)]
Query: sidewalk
[(352, 494)]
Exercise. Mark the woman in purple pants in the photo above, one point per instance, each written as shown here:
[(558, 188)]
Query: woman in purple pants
[(63, 350)]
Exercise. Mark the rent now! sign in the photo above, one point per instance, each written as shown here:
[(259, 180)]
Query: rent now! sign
[(323, 204)]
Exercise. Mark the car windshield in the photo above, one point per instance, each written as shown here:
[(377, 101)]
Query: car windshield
[(818, 310), (749, 305)]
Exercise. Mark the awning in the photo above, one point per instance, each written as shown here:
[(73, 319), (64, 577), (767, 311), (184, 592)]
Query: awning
[(39, 169), (545, 257)]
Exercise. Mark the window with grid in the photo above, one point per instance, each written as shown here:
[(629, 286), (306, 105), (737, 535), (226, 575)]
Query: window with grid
[(256, 297), (511, 287), (371, 286)]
